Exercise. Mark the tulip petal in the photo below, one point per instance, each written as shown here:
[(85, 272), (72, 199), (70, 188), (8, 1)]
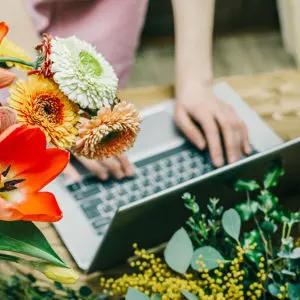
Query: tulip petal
[(40, 206), (53, 163), (3, 30), (21, 147)]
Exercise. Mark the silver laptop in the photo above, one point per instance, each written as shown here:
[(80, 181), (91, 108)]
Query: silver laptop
[(102, 219)]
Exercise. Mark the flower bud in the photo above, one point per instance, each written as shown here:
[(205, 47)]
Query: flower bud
[(59, 274), (7, 118), (6, 78)]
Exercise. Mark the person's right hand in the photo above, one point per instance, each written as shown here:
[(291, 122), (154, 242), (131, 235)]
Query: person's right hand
[(118, 167)]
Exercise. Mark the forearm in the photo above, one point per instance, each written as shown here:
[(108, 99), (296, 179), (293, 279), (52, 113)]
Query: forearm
[(193, 32)]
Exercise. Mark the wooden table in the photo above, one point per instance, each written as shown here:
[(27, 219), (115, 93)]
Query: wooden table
[(275, 96)]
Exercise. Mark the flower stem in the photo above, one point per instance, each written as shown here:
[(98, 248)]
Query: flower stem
[(16, 60)]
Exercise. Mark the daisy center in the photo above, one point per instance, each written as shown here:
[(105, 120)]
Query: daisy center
[(49, 107), (90, 64)]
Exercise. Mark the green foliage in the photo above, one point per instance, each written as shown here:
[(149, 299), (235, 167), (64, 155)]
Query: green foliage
[(189, 296), (209, 256), (26, 287), (266, 221), (134, 294), (203, 227), (272, 177), (294, 291), (179, 251), (246, 185), (231, 223), (26, 238)]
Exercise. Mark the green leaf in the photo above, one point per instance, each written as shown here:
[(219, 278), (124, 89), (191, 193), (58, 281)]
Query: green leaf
[(272, 177), (179, 251), (156, 297), (134, 294), (269, 227), (26, 238), (246, 185), (268, 200), (294, 291), (231, 223), (209, 256), (274, 289), (189, 296), (8, 257), (246, 211), (295, 254)]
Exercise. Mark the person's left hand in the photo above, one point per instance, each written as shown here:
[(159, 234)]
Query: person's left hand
[(198, 105)]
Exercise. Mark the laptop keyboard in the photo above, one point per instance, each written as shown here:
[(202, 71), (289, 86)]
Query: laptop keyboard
[(100, 200)]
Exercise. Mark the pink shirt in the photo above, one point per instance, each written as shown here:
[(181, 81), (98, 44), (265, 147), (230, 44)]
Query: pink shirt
[(112, 26)]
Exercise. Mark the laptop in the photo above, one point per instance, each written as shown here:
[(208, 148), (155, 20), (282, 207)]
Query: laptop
[(103, 219)]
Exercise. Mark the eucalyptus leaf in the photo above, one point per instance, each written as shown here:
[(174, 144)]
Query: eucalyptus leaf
[(179, 251), (288, 273), (209, 256), (272, 177), (134, 294), (156, 297), (25, 238), (231, 222), (295, 253), (189, 296), (246, 185), (294, 291), (274, 289)]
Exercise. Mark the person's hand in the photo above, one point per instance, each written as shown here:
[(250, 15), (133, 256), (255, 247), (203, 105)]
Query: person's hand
[(118, 167), (198, 105)]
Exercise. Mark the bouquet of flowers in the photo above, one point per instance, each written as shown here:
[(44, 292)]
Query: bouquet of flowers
[(68, 100), (212, 258)]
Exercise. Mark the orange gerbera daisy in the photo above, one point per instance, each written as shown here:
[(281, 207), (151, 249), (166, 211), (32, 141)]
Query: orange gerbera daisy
[(39, 102), (110, 133), (26, 166)]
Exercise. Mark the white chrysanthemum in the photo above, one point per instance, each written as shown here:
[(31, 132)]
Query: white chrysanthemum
[(82, 74)]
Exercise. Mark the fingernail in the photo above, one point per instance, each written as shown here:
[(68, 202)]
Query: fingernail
[(219, 162), (232, 159), (248, 149), (130, 171), (103, 176)]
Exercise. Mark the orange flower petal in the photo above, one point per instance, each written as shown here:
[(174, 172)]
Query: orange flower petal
[(3, 30), (21, 147), (38, 207), (53, 163)]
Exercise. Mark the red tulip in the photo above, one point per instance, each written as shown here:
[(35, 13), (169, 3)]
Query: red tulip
[(26, 166), (3, 30)]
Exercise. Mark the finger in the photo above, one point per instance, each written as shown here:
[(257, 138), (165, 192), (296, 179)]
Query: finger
[(71, 173), (186, 125), (212, 135), (95, 167), (126, 165), (247, 149), (231, 135), (114, 166)]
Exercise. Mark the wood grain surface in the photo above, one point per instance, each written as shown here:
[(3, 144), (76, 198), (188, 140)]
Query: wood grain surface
[(275, 96)]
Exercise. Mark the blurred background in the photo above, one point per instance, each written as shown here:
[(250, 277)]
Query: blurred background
[(251, 36), (248, 39)]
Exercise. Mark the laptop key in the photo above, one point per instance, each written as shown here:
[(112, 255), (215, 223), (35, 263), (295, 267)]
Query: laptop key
[(100, 222), (73, 187)]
